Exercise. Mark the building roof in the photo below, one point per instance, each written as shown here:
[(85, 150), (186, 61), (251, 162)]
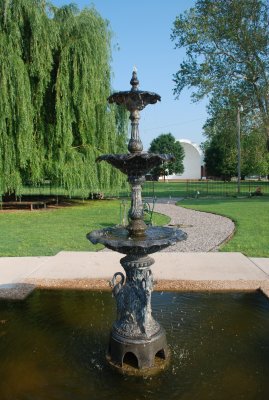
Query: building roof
[(195, 145)]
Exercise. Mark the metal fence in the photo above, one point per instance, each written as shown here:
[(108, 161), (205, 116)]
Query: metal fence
[(188, 188)]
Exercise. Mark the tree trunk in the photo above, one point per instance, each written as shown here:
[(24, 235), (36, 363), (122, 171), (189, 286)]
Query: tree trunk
[(267, 136)]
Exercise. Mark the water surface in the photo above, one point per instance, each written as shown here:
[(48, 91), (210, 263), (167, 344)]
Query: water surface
[(52, 346)]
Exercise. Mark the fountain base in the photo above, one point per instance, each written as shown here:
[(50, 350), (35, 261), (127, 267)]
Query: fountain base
[(138, 356)]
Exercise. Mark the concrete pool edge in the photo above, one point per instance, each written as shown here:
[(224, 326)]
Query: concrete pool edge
[(87, 270)]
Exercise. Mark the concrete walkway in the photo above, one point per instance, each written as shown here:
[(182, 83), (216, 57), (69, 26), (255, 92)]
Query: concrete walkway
[(19, 276)]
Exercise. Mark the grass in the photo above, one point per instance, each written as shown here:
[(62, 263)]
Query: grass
[(251, 217), (46, 232), (39, 233)]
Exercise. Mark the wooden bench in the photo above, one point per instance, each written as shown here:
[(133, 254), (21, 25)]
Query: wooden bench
[(30, 204)]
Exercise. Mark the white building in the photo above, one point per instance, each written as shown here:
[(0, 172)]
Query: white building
[(193, 161)]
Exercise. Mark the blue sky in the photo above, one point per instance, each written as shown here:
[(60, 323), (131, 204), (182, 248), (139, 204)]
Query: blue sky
[(141, 37)]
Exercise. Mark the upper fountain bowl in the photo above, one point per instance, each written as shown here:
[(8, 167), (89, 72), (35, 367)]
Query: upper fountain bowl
[(134, 99)]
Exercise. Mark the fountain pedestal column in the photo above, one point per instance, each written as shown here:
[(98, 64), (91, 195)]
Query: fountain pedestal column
[(135, 331)]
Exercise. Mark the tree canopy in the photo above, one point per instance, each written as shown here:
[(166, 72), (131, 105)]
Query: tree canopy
[(227, 60), (220, 148), (167, 144), (54, 84)]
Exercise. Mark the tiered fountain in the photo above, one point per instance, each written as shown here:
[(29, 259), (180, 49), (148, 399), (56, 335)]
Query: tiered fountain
[(135, 333)]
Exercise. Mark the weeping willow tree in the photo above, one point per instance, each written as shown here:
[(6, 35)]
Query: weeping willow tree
[(54, 83)]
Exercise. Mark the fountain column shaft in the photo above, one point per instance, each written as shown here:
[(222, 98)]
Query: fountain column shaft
[(137, 225), (135, 145)]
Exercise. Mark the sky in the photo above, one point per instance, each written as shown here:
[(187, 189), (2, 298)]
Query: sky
[(141, 38)]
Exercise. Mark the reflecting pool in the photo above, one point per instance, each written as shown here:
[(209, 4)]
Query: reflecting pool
[(53, 345)]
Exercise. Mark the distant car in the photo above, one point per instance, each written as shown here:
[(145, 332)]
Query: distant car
[(255, 178)]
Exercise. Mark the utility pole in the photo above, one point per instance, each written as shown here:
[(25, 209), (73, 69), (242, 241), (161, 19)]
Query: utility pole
[(239, 109)]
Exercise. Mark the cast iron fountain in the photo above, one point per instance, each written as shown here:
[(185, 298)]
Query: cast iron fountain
[(135, 331)]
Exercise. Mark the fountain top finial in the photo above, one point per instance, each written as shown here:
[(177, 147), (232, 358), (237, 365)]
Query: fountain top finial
[(134, 80)]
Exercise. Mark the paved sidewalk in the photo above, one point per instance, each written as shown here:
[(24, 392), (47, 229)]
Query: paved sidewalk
[(19, 276)]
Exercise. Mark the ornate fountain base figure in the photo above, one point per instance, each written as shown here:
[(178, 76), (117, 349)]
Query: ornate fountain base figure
[(135, 332)]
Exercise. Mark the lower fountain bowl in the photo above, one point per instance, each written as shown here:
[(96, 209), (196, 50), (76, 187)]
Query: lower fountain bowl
[(118, 239)]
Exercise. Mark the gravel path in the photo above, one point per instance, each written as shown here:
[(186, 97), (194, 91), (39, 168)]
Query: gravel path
[(205, 231)]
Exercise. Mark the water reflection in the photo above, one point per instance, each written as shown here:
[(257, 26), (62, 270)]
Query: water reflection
[(52, 346)]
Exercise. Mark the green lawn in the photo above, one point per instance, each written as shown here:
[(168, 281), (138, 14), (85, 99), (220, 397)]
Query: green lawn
[(251, 217), (46, 232), (38, 233)]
